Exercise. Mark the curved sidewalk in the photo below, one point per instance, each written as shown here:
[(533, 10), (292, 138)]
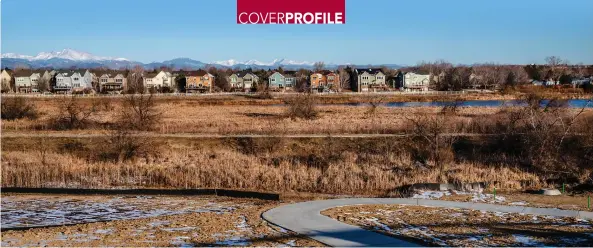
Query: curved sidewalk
[(305, 218)]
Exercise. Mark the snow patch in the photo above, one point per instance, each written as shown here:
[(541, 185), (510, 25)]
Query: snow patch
[(526, 240)]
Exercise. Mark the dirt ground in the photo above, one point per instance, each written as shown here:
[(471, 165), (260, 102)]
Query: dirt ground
[(458, 227), (174, 221)]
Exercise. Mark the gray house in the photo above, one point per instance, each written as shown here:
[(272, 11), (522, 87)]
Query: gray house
[(243, 80), (370, 79)]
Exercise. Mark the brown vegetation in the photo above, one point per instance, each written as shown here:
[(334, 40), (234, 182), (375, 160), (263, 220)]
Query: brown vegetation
[(302, 106), (341, 166), (17, 108)]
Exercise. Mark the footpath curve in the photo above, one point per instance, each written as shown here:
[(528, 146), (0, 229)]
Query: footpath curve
[(305, 218)]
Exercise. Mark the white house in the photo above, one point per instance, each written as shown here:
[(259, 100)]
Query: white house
[(159, 80), (416, 82), (23, 80), (73, 80)]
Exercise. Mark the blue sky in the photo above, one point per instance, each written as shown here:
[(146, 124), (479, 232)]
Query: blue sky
[(376, 31)]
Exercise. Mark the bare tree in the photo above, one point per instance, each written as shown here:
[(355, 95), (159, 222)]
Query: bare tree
[(139, 112), (557, 68), (74, 113), (135, 83), (318, 66), (42, 85), (430, 136), (344, 75), (489, 75)]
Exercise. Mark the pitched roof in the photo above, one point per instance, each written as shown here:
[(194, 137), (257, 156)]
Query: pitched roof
[(151, 74), (244, 73), (369, 70), (22, 73), (110, 73), (197, 73), (289, 73), (325, 72)]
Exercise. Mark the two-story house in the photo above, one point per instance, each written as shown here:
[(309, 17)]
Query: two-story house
[(73, 80), (282, 81), (26, 81), (244, 80), (6, 80), (324, 80), (370, 79), (198, 81), (159, 80), (416, 82), (112, 82)]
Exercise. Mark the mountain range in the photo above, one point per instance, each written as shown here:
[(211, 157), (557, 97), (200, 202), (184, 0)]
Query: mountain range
[(68, 58)]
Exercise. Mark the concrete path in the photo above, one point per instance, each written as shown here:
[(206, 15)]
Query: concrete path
[(305, 218)]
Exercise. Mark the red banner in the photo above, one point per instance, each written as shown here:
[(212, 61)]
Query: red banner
[(291, 11)]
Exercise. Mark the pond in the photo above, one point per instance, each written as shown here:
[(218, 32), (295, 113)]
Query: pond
[(574, 103)]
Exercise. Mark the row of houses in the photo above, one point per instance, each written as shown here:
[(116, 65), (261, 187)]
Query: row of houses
[(363, 80)]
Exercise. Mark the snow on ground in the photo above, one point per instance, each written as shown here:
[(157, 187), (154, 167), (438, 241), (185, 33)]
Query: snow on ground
[(431, 194), (48, 211), (476, 196), (463, 227), (236, 237), (526, 240)]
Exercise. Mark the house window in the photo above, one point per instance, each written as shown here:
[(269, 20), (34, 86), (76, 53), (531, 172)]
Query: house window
[(273, 79), (119, 80)]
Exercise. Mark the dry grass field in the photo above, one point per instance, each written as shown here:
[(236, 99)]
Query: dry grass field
[(346, 173), (520, 158), (185, 117)]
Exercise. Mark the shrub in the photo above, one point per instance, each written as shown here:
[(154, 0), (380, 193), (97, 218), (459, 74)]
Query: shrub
[(17, 108), (302, 106), (74, 114), (121, 145), (139, 112)]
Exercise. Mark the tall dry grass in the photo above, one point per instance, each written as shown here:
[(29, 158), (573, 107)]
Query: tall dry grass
[(224, 168)]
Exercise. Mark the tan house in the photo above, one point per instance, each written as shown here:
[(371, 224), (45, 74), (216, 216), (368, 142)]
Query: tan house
[(198, 81), (324, 80), (112, 82)]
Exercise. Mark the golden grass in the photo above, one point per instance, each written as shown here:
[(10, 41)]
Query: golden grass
[(187, 118), (224, 168)]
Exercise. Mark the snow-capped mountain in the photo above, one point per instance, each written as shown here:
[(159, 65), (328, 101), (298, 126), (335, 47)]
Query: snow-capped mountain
[(68, 58), (67, 53), (276, 62)]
